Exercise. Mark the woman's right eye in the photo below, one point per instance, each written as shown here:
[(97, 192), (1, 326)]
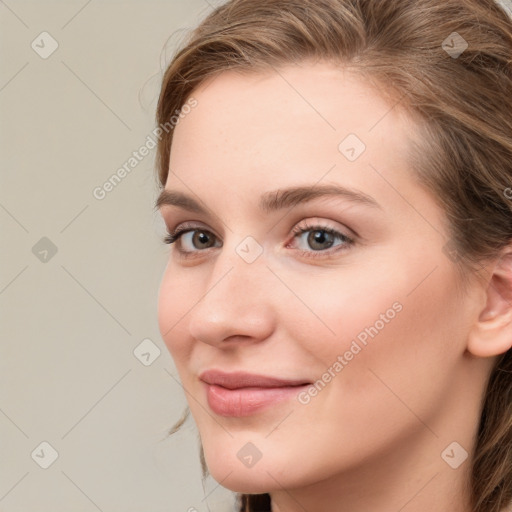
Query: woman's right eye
[(195, 237)]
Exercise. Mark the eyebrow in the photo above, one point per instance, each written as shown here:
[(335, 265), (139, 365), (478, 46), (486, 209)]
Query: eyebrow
[(272, 200)]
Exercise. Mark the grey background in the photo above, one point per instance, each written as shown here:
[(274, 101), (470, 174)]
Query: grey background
[(79, 276)]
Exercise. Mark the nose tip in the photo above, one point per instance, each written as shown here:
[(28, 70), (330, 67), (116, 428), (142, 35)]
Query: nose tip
[(235, 307)]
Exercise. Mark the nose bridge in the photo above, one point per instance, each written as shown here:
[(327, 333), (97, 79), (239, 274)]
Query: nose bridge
[(236, 300), (240, 268)]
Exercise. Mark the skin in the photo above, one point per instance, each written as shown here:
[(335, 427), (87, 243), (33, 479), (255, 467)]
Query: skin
[(372, 438)]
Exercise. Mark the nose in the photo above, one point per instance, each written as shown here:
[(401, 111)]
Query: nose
[(236, 305)]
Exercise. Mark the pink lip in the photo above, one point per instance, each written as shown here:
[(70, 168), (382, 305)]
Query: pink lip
[(242, 394)]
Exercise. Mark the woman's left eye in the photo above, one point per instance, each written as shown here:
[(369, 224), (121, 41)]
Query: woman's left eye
[(320, 239)]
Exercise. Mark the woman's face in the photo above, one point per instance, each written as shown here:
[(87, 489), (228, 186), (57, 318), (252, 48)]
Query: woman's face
[(356, 323)]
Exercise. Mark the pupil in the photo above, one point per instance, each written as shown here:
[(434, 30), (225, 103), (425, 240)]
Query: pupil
[(203, 238), (319, 237)]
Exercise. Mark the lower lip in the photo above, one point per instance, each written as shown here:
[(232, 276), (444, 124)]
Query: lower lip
[(246, 401)]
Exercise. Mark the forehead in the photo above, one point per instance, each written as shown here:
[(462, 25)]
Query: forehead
[(291, 107), (299, 124)]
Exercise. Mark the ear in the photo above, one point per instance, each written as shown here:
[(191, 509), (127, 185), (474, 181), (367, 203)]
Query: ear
[(492, 333)]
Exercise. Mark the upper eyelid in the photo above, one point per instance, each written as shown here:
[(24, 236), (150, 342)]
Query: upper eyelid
[(310, 224)]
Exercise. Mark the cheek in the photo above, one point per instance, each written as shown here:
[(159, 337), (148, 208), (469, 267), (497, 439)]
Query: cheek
[(343, 307), (400, 343), (395, 298), (174, 301)]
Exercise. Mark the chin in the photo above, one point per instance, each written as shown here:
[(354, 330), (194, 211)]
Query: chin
[(246, 481), (266, 475)]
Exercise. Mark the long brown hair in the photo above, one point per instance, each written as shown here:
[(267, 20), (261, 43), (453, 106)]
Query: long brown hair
[(463, 103)]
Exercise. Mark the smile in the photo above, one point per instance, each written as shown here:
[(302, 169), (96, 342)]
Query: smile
[(242, 394)]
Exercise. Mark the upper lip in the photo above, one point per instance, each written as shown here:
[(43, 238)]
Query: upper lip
[(237, 380)]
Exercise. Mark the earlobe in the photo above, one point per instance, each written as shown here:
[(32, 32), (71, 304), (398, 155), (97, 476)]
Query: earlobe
[(492, 333)]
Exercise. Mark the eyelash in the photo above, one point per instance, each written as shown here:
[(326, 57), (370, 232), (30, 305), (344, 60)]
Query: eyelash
[(170, 238)]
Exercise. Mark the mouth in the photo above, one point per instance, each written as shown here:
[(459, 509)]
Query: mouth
[(242, 394)]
